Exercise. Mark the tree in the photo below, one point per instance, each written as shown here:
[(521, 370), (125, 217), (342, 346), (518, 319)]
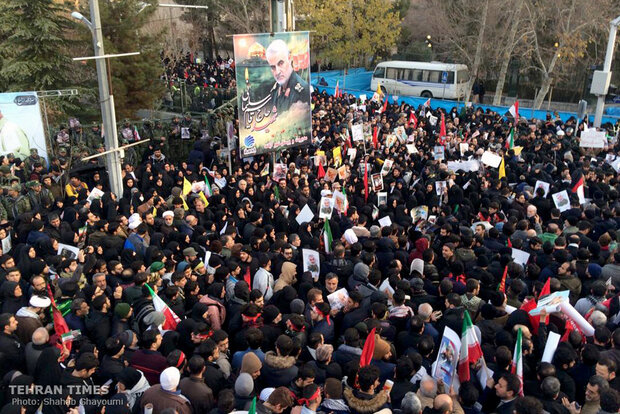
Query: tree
[(34, 47), (562, 31), (135, 79), (509, 44), (461, 29), (351, 32)]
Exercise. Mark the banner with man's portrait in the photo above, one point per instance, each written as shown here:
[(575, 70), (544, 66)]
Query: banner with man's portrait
[(273, 91)]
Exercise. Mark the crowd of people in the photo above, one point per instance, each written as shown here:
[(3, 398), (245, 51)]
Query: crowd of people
[(182, 297), (200, 84)]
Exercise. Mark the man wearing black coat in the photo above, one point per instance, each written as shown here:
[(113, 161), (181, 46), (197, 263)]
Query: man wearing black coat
[(11, 350)]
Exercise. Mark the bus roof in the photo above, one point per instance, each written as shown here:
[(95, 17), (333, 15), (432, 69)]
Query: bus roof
[(422, 65)]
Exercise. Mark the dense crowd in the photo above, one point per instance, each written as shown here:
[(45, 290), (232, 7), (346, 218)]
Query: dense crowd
[(205, 83), (191, 292)]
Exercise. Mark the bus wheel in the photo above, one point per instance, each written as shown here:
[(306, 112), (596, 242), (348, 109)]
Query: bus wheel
[(426, 94)]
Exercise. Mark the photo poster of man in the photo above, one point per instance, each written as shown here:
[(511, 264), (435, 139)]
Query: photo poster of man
[(273, 91), (448, 357), (312, 262), (21, 125)]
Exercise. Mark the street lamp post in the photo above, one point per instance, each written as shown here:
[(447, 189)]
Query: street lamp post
[(108, 115)]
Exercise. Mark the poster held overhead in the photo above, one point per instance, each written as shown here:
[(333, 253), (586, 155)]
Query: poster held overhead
[(274, 106)]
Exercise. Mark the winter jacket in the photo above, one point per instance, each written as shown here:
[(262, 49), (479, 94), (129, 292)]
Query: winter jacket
[(361, 403), (198, 393), (277, 370), (28, 322), (216, 312), (263, 281), (162, 399), (287, 276)]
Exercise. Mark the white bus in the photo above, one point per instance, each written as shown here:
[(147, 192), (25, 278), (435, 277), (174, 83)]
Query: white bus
[(434, 79)]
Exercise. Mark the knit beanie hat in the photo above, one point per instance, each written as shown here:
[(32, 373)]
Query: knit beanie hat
[(250, 363), (121, 310), (169, 379), (244, 385)]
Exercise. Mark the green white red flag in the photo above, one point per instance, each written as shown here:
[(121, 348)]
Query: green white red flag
[(471, 352), (517, 361)]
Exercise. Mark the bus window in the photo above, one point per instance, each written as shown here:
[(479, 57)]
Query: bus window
[(407, 74), (462, 76), (379, 73), (432, 76), (450, 77), (392, 73), (417, 75)]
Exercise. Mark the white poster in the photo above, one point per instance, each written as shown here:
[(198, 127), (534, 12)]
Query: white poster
[(520, 256), (305, 215), (67, 251), (463, 148), (312, 262), (6, 244), (491, 159), (340, 201), (447, 357), (338, 299), (541, 184), (439, 152), (561, 200), (21, 126), (185, 133), (387, 166), (439, 187), (326, 208), (593, 139), (357, 132)]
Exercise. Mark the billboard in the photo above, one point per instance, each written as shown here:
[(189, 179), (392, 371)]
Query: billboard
[(273, 91), (21, 126)]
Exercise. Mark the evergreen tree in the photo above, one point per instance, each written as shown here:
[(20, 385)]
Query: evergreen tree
[(136, 80), (34, 49)]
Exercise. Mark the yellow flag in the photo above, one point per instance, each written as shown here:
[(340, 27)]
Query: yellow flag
[(203, 198), (379, 91), (187, 187), (502, 169), (154, 212), (185, 206)]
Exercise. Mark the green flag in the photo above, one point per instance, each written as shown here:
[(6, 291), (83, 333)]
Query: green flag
[(252, 409), (327, 236)]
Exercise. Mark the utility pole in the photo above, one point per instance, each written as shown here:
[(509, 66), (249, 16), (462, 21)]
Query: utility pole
[(601, 78), (113, 159)]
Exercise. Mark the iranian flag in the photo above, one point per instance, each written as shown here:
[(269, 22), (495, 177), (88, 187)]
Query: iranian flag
[(514, 111), (61, 328), (369, 349), (413, 120), (375, 140), (327, 236), (171, 319), (510, 142), (427, 104), (502, 284), (470, 349), (517, 361), (578, 188), (208, 192), (442, 130), (385, 104)]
